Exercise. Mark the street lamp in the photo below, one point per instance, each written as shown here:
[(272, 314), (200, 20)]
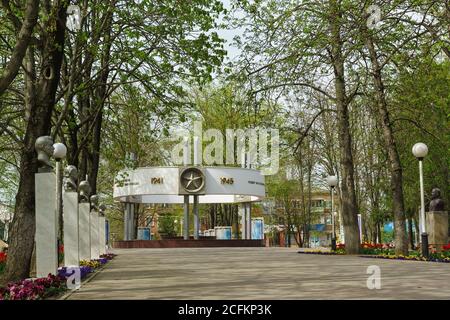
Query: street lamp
[(420, 150), (59, 153), (332, 182)]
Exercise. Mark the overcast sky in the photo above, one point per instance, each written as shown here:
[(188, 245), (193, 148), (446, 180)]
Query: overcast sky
[(228, 35)]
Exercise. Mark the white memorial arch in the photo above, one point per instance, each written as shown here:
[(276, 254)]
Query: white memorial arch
[(195, 184)]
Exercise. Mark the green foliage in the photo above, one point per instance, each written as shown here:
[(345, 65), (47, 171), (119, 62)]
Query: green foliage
[(166, 225)]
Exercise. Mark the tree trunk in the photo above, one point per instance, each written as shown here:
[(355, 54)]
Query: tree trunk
[(349, 204), (24, 224), (411, 234), (401, 239)]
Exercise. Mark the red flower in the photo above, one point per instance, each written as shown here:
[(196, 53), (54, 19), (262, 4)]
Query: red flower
[(3, 257), (446, 247), (61, 248)]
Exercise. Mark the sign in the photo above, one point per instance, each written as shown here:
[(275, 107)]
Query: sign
[(224, 180), (157, 180)]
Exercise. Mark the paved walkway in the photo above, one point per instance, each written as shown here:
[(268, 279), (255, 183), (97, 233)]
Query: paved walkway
[(259, 273)]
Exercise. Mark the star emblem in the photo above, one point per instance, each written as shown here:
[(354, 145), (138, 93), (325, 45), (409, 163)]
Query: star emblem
[(192, 180)]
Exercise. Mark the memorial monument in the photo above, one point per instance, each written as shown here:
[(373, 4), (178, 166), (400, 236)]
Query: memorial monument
[(102, 228), (70, 217), (45, 202), (437, 221), (94, 228), (84, 221)]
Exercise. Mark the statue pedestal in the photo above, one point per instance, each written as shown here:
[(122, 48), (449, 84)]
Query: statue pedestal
[(45, 236), (437, 228), (84, 231), (95, 248), (102, 234), (70, 218)]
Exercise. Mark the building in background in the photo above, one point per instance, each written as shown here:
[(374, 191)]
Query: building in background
[(320, 226)]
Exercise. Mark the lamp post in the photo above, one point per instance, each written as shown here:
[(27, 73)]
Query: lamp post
[(332, 182), (59, 153), (420, 150)]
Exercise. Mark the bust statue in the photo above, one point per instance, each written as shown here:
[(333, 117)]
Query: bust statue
[(94, 202), (436, 203), (70, 178), (101, 210), (44, 149), (85, 191)]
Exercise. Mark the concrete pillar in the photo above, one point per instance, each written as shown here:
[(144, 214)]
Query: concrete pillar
[(102, 234), (95, 250), (70, 220), (437, 229), (243, 214), (186, 218), (46, 225), (196, 220), (249, 220), (126, 222), (84, 231), (131, 235)]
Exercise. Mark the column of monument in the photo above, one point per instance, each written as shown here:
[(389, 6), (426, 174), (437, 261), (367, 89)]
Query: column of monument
[(437, 221), (70, 218), (84, 221), (94, 228), (45, 206), (102, 229), (248, 210)]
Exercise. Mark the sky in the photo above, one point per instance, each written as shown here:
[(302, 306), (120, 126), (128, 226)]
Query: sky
[(228, 36)]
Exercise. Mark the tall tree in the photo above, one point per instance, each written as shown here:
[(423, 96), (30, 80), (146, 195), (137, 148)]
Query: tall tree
[(50, 50), (293, 48)]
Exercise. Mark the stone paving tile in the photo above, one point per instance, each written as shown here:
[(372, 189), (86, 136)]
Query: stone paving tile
[(259, 273)]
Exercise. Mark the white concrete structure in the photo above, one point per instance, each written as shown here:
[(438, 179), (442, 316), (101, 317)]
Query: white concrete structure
[(162, 185), (102, 234), (95, 239), (84, 231), (135, 186), (45, 236), (71, 239)]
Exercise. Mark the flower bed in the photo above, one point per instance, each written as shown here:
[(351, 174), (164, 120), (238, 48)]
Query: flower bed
[(431, 258), (108, 256), (49, 286), (386, 251), (96, 263), (84, 271), (2, 261), (34, 289), (325, 253)]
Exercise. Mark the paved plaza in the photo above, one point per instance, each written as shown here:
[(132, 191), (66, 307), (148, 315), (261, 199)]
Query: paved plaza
[(259, 273)]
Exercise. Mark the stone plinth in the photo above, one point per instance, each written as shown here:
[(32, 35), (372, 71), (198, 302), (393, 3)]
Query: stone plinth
[(437, 228), (95, 246), (70, 218), (46, 238), (102, 234), (84, 231)]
